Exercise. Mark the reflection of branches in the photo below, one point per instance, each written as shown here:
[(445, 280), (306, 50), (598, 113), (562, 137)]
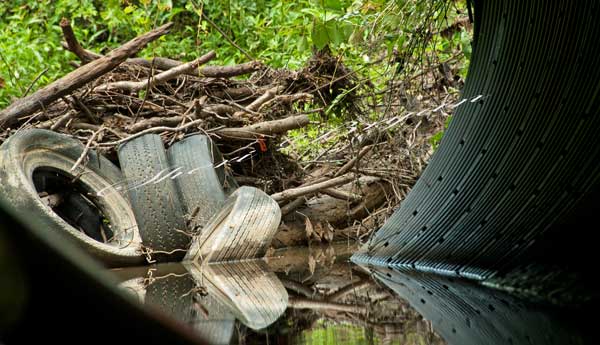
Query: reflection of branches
[(297, 287), (306, 303), (350, 288)]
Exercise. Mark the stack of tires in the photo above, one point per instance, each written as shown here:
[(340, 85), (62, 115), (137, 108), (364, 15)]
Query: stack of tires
[(158, 204)]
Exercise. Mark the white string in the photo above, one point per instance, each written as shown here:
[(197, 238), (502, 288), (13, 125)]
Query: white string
[(351, 127)]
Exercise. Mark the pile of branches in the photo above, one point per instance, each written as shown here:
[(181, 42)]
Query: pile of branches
[(247, 109)]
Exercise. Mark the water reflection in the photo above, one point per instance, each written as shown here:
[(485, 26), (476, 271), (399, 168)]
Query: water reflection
[(316, 296), (210, 298), (464, 313)]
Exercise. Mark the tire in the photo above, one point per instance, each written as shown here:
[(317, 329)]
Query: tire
[(171, 291), (35, 155), (153, 196), (202, 188), (242, 229), (84, 216), (167, 287), (246, 289)]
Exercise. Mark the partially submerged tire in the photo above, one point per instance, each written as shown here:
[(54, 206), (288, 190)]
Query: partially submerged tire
[(33, 160), (153, 197), (242, 229), (202, 182)]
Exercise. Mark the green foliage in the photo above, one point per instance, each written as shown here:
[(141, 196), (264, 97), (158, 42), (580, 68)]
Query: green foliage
[(375, 38), (436, 139)]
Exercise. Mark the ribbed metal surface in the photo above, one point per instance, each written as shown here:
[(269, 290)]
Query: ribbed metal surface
[(516, 161), (464, 313)]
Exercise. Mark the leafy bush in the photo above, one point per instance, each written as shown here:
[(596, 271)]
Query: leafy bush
[(375, 38)]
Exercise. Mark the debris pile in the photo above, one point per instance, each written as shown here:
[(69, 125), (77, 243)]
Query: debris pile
[(343, 185)]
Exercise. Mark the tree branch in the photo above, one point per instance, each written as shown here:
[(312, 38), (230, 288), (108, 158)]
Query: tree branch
[(77, 78)]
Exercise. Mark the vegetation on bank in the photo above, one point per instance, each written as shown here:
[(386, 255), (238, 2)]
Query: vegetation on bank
[(363, 33)]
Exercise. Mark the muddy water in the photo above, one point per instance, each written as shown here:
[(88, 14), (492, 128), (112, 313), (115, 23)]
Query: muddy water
[(316, 296)]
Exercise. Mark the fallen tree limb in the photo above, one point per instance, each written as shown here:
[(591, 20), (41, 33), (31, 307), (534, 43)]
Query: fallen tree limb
[(297, 287), (160, 63), (229, 71), (154, 122), (135, 86), (287, 99), (352, 287), (300, 191), (291, 206), (257, 103), (265, 128), (217, 110), (86, 149), (76, 79), (342, 195), (153, 130), (73, 45)]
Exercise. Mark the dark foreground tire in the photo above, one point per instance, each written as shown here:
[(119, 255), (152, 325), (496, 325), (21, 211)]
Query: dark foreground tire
[(202, 187), (153, 197), (242, 229), (29, 158)]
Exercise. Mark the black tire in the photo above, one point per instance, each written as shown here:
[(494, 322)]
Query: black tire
[(201, 187), (153, 196), (29, 153), (243, 228), (84, 216)]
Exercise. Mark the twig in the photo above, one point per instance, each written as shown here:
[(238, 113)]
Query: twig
[(73, 45), (290, 207), (35, 81), (226, 36), (87, 148), (54, 124), (134, 86), (352, 287), (257, 103), (296, 192), (351, 163), (297, 287), (155, 121), (265, 128), (79, 77), (153, 130), (301, 96), (340, 194), (305, 303), (229, 71)]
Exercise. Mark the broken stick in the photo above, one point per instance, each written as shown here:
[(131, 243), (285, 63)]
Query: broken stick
[(296, 192), (76, 79), (265, 128), (135, 86)]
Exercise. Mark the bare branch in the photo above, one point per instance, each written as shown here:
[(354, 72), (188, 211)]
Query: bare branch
[(296, 192), (77, 78)]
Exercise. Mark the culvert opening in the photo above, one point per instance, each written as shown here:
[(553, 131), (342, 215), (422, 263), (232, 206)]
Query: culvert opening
[(73, 201)]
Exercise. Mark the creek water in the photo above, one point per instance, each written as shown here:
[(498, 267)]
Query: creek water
[(317, 296)]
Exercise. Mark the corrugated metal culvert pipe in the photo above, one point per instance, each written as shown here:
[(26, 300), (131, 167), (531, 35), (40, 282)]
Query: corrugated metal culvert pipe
[(515, 165)]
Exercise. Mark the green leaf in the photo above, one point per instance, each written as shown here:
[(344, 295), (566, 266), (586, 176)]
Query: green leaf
[(319, 35)]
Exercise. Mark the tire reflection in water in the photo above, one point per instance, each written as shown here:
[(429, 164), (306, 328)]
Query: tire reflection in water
[(210, 298)]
